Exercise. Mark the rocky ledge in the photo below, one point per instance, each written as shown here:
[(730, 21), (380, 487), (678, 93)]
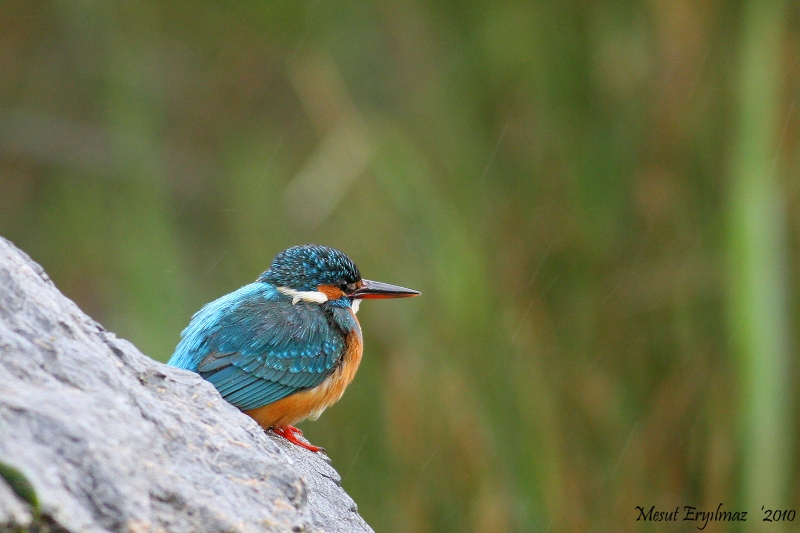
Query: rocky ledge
[(96, 437)]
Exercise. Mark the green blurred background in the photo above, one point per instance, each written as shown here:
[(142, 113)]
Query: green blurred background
[(598, 200)]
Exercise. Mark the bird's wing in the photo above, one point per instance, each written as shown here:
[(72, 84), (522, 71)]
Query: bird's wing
[(260, 347)]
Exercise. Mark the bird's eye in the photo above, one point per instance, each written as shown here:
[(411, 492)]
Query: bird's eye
[(347, 288)]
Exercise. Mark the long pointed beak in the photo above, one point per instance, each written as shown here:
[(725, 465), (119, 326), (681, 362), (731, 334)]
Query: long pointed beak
[(373, 290)]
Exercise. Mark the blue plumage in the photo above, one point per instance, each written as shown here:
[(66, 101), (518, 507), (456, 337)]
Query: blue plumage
[(306, 267), (293, 331), (257, 347)]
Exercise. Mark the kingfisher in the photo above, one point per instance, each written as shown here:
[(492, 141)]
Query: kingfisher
[(284, 348)]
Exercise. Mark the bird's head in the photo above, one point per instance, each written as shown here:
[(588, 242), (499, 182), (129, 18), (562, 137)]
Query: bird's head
[(320, 274)]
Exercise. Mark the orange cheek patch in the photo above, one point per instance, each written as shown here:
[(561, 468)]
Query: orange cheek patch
[(331, 291)]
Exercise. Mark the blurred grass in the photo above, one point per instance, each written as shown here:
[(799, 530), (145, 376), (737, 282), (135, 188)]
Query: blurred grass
[(555, 177), (758, 263)]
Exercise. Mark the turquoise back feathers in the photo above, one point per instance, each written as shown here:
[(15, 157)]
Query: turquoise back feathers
[(258, 344), (285, 333), (257, 347)]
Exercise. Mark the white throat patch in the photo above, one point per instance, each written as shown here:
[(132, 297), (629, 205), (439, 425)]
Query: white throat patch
[(305, 296), (354, 305)]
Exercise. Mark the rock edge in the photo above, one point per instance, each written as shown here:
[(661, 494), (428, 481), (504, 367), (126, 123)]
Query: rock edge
[(111, 440)]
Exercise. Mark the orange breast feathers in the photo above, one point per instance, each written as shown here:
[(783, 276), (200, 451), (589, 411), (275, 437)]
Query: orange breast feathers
[(310, 403)]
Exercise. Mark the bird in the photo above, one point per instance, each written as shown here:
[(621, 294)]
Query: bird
[(284, 348)]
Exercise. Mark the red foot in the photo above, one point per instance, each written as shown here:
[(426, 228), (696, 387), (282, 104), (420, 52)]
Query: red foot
[(289, 433)]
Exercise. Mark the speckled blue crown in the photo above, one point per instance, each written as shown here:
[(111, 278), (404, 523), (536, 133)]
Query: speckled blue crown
[(304, 268)]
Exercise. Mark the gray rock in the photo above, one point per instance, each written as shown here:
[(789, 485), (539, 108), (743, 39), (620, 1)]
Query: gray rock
[(111, 440)]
